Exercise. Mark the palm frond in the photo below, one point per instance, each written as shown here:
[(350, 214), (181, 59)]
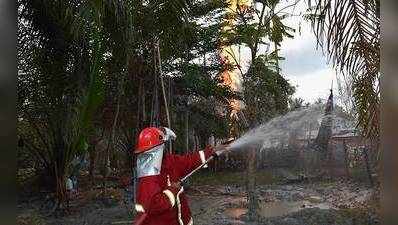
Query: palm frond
[(349, 32)]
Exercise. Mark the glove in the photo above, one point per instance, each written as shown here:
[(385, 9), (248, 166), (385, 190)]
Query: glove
[(169, 134), (176, 185)]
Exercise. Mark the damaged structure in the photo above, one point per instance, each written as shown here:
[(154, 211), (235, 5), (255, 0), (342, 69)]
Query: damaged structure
[(324, 140)]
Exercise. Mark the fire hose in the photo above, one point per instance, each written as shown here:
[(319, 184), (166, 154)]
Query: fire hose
[(203, 164), (216, 154)]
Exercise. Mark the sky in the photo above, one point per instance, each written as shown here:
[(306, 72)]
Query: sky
[(305, 66)]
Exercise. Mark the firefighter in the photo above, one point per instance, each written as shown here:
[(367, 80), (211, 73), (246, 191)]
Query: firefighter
[(160, 197)]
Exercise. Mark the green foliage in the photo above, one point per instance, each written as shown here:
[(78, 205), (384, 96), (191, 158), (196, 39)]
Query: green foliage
[(355, 49), (73, 59), (278, 30), (197, 83), (88, 66), (267, 93), (62, 87), (205, 100)]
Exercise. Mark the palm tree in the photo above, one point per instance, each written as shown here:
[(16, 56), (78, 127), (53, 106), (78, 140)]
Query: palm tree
[(256, 22), (63, 86), (349, 32), (72, 54)]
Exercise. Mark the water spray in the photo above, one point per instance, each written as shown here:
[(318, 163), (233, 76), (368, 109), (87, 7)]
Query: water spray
[(277, 130), (227, 147)]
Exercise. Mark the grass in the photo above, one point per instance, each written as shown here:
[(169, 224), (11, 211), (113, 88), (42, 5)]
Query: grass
[(229, 178)]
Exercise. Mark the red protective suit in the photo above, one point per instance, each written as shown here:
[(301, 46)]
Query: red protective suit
[(162, 204)]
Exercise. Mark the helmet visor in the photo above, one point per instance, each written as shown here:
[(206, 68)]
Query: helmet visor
[(149, 163)]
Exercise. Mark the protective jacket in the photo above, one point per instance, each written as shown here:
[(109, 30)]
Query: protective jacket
[(158, 203)]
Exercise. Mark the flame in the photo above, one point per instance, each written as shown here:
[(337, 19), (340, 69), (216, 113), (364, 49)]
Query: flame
[(228, 56)]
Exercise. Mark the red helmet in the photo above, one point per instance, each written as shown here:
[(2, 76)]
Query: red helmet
[(149, 138)]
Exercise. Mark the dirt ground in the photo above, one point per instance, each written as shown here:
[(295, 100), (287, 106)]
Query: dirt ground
[(323, 203), (298, 204)]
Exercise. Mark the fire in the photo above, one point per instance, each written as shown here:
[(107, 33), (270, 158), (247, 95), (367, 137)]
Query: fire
[(232, 76)]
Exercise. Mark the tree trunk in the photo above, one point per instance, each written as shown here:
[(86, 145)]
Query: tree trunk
[(252, 196), (60, 191), (186, 132), (143, 106), (194, 140), (367, 164), (346, 160), (107, 166), (92, 155)]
